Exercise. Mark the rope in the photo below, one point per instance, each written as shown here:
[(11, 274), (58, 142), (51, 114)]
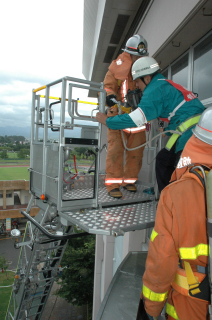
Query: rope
[(144, 144)]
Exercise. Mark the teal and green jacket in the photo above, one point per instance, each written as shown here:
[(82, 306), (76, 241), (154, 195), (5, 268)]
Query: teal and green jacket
[(159, 99)]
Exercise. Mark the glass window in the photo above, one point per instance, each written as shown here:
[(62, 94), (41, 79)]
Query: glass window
[(9, 195), (165, 73), (179, 71), (203, 69)]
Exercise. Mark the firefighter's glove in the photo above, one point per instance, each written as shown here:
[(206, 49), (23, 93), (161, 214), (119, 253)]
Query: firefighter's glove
[(111, 100)]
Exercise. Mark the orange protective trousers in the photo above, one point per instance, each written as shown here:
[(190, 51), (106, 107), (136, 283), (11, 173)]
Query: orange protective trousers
[(115, 157)]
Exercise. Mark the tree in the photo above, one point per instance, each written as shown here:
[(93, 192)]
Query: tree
[(4, 264), (21, 154), (78, 272), (4, 154)]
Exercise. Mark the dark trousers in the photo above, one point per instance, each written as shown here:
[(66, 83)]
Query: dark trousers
[(166, 162)]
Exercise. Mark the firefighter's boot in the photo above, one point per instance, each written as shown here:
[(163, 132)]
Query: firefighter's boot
[(115, 193), (130, 187)]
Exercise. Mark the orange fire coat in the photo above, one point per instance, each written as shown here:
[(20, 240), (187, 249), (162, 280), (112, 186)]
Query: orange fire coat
[(180, 229), (119, 71)]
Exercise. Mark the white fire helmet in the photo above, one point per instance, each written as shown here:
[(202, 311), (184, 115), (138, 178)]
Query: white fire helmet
[(143, 67), (137, 46), (203, 129)]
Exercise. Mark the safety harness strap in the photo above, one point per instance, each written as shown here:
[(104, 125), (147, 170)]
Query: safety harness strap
[(193, 283), (182, 128), (172, 141), (170, 310)]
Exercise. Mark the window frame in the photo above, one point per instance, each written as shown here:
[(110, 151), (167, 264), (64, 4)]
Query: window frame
[(206, 102)]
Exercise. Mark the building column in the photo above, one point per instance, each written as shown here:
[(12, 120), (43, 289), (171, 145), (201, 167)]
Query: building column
[(4, 200), (99, 255)]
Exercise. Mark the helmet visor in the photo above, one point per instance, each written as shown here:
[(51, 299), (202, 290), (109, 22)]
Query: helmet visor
[(134, 97)]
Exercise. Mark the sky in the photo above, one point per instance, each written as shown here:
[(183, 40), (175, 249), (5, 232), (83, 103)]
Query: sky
[(41, 41)]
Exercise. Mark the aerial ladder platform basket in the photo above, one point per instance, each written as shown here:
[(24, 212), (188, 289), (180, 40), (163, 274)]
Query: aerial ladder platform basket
[(65, 196)]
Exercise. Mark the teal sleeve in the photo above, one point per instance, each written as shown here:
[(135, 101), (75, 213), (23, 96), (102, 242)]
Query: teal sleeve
[(122, 121), (152, 104)]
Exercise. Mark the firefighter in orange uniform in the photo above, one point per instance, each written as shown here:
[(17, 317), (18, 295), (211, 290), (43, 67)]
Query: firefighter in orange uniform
[(176, 267), (117, 80)]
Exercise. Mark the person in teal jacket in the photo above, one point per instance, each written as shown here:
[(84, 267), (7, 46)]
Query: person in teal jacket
[(161, 98)]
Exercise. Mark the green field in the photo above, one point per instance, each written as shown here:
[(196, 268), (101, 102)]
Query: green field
[(5, 292), (12, 155), (14, 173), (9, 171)]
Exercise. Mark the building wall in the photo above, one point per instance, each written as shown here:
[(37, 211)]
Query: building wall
[(25, 196), (110, 252), (163, 18), (8, 187), (10, 198)]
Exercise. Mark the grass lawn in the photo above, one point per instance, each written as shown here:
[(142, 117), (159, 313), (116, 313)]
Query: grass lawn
[(8, 171), (12, 155), (5, 293), (14, 173), (14, 162)]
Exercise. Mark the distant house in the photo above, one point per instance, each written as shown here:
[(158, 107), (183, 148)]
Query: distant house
[(14, 195)]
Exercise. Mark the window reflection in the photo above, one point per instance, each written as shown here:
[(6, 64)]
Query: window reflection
[(165, 73), (179, 71), (203, 69)]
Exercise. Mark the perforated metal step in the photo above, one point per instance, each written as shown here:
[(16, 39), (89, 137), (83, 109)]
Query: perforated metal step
[(115, 220), (87, 191)]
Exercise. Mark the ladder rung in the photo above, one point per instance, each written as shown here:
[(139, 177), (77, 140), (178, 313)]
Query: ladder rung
[(43, 287), (31, 315), (52, 248), (46, 260), (37, 298), (46, 270), (46, 279), (11, 315), (32, 293), (28, 309)]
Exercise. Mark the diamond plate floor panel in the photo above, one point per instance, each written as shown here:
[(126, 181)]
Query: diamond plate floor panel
[(105, 200), (115, 220)]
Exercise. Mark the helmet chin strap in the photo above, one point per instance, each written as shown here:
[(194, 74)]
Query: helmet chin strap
[(142, 79)]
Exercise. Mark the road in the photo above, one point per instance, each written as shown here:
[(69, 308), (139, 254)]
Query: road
[(10, 253)]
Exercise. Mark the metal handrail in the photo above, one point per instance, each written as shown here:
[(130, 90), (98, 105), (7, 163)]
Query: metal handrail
[(48, 234)]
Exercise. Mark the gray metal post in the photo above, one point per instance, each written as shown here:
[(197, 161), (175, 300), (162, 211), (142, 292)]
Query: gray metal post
[(37, 119), (45, 137), (32, 128), (62, 124)]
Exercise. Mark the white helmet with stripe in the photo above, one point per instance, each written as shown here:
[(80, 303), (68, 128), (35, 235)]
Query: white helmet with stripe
[(143, 67), (137, 46), (203, 129)]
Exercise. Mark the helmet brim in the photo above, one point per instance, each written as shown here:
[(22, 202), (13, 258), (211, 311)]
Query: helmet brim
[(135, 53)]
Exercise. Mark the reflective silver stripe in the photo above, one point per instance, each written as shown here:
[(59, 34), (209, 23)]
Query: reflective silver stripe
[(138, 117), (130, 180), (135, 129)]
